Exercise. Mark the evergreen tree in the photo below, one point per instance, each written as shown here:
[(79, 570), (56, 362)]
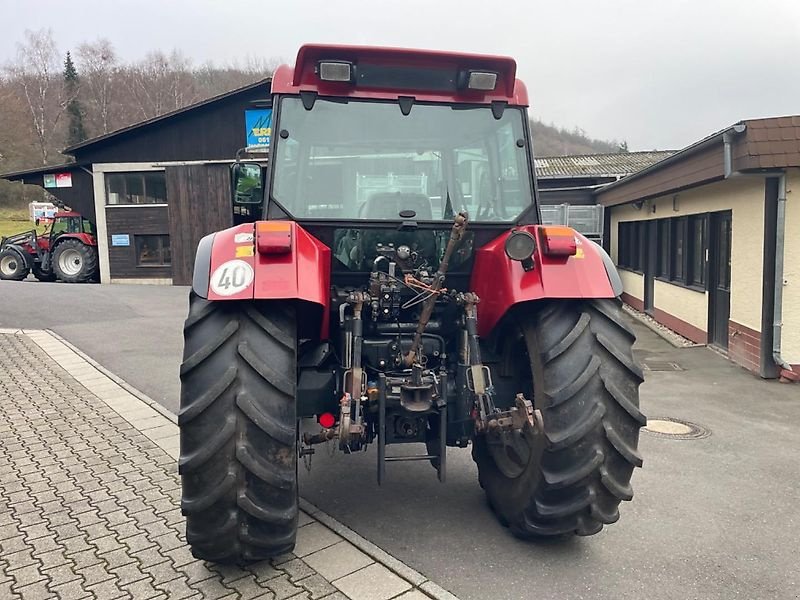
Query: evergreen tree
[(76, 132)]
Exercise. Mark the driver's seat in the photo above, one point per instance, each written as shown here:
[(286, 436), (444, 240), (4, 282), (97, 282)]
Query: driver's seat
[(387, 205)]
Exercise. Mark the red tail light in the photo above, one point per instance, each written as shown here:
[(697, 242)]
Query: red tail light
[(558, 240), (327, 420), (274, 237)]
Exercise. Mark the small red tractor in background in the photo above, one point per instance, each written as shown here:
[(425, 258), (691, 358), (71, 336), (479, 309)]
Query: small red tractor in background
[(67, 251), (396, 286)]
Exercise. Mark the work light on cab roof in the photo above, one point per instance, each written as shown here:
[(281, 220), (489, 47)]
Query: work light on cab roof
[(426, 75), (401, 289), (343, 71)]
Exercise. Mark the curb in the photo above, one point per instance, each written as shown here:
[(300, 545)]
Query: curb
[(147, 416), (635, 314), (118, 380)]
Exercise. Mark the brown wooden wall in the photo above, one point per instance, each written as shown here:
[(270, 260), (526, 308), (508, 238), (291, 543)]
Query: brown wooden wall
[(79, 197), (199, 204), (211, 131), (133, 220)]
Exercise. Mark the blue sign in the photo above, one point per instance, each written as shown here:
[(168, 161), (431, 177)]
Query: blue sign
[(120, 239), (258, 125)]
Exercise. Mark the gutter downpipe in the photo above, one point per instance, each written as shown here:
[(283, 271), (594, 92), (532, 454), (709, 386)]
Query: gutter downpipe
[(777, 318), (727, 150), (777, 323)]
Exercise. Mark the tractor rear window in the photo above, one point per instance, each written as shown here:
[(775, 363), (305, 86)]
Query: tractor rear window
[(362, 160)]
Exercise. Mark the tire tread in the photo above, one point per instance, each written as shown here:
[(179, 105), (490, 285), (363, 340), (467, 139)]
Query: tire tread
[(238, 430), (588, 395)]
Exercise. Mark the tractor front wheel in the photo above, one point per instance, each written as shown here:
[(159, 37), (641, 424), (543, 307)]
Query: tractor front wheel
[(74, 261), (12, 265), (238, 426), (575, 358)]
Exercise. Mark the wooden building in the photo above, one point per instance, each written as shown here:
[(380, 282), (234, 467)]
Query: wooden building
[(708, 240), (155, 188)]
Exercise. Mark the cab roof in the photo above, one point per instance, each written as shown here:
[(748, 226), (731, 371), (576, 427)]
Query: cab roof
[(389, 73)]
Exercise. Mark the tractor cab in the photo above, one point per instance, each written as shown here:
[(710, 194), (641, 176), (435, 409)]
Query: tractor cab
[(389, 135), (66, 222)]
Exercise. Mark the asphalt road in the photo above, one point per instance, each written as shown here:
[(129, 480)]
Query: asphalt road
[(711, 518)]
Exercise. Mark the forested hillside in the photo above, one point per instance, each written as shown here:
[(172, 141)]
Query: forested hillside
[(550, 140)]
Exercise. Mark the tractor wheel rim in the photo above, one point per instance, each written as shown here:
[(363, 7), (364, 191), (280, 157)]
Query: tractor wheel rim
[(8, 265), (70, 262)]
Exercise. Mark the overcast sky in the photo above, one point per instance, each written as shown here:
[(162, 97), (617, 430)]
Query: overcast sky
[(657, 73)]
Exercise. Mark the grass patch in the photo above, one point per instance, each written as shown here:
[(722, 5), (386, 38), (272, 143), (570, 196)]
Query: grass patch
[(15, 220)]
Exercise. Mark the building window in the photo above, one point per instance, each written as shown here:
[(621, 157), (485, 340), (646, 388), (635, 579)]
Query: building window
[(678, 250), (152, 251), (681, 249), (698, 244), (636, 245), (631, 245), (663, 243), (625, 245), (136, 188)]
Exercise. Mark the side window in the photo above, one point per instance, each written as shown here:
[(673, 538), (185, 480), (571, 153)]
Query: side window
[(60, 226)]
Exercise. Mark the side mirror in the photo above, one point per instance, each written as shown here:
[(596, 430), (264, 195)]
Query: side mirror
[(246, 183)]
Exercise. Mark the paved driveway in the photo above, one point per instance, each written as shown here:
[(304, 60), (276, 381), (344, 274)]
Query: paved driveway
[(711, 518)]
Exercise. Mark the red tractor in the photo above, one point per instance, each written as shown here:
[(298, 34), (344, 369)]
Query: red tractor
[(400, 289), (68, 251)]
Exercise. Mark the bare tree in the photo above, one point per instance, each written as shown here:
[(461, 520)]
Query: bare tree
[(98, 64), (161, 83), (259, 66), (36, 73)]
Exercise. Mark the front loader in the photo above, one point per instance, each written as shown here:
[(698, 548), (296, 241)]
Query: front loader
[(400, 289)]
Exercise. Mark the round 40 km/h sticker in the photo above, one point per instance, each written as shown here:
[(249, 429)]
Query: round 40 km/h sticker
[(231, 278)]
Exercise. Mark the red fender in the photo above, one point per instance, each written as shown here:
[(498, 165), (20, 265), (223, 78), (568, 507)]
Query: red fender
[(85, 238), (502, 283), (265, 260)]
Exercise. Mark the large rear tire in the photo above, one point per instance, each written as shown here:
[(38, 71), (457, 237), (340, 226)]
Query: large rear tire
[(74, 261), (12, 265), (576, 359), (238, 458)]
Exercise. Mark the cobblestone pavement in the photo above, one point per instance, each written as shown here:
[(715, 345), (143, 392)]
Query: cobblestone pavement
[(89, 504)]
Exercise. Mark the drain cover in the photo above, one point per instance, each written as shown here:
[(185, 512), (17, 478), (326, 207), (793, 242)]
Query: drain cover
[(662, 365), (676, 429)]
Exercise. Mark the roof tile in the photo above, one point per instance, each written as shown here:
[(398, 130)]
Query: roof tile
[(774, 134), (597, 165)]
